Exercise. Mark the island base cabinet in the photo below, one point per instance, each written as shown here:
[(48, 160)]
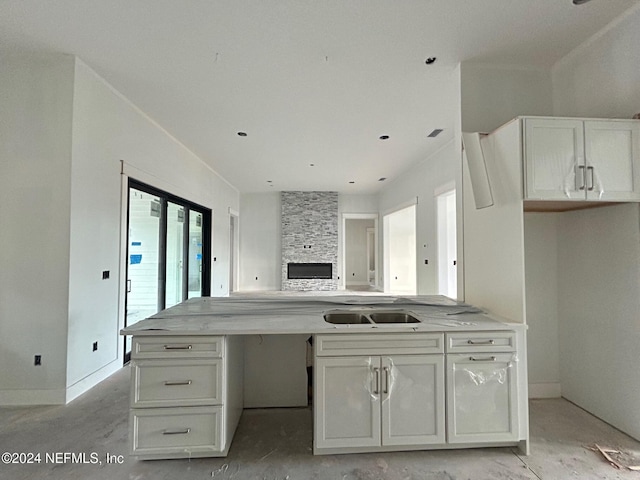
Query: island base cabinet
[(176, 432), (482, 402), (347, 402), (379, 401)]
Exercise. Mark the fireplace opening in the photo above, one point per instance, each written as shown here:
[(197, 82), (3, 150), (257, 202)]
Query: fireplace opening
[(309, 271)]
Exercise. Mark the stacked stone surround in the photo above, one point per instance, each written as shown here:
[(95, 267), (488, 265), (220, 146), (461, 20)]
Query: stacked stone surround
[(309, 235)]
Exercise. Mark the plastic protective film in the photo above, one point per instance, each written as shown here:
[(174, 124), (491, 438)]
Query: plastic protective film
[(486, 376), (581, 178), (482, 394), (382, 379), (372, 380)]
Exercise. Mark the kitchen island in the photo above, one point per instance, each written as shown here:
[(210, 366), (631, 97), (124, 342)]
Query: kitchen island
[(390, 373)]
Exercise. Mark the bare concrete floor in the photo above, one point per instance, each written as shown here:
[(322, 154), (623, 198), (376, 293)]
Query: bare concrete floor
[(275, 444)]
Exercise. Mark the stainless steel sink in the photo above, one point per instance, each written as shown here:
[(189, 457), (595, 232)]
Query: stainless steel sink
[(347, 318), (393, 317), (368, 318)]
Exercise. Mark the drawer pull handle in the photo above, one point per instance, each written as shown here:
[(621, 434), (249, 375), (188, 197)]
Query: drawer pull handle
[(173, 384), (177, 432), (178, 347), (485, 359), (483, 342)]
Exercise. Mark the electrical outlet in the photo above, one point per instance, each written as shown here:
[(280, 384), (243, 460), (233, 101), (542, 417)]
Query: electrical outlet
[(105, 274), (426, 262), (37, 360), (95, 346)]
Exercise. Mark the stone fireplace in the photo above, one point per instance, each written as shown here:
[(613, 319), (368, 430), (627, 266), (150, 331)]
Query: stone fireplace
[(309, 240)]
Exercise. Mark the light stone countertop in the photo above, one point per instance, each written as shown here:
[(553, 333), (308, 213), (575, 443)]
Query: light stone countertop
[(263, 315)]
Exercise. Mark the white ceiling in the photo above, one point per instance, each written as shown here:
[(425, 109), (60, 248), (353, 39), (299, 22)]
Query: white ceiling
[(310, 81)]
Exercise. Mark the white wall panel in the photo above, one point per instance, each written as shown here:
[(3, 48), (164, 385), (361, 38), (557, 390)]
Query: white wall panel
[(36, 95), (260, 241)]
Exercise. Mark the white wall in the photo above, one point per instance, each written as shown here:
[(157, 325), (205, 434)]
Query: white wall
[(599, 294), (599, 301), (260, 242), (422, 181), (491, 95), (68, 147), (601, 78), (541, 280), (35, 163)]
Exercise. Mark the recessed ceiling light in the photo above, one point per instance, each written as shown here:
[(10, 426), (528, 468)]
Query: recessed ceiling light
[(430, 60), (242, 134), (435, 133), (384, 137), (382, 179)]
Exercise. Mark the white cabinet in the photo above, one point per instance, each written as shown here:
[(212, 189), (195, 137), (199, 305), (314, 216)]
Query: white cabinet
[(482, 388), (346, 406), (379, 401), (184, 401), (412, 400), (581, 159)]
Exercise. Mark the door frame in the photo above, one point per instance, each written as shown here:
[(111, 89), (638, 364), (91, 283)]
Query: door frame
[(343, 262)]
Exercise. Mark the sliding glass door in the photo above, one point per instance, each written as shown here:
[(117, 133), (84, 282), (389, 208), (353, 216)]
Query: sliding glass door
[(168, 252)]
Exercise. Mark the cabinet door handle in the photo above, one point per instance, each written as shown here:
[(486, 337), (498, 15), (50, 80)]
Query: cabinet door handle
[(173, 384), (376, 390), (485, 359), (177, 432), (591, 186), (581, 174), (386, 380), (481, 342), (178, 347)]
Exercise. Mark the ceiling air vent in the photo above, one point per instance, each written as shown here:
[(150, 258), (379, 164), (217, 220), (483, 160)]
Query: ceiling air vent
[(435, 133)]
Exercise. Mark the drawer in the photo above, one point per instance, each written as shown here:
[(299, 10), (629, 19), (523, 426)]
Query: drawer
[(177, 347), (469, 342), (168, 383), (176, 432), (378, 344)]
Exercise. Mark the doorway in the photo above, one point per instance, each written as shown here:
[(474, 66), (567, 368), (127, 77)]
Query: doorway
[(168, 250), (447, 244), (359, 263), (233, 252), (399, 233)]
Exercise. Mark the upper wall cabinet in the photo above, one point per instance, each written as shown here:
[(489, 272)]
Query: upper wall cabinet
[(580, 159)]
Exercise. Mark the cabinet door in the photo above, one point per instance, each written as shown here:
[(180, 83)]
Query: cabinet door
[(347, 402), (413, 400), (482, 403), (612, 160), (554, 159)]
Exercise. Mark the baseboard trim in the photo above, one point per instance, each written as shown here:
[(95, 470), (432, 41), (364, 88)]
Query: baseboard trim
[(81, 386), (10, 398), (545, 390)]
